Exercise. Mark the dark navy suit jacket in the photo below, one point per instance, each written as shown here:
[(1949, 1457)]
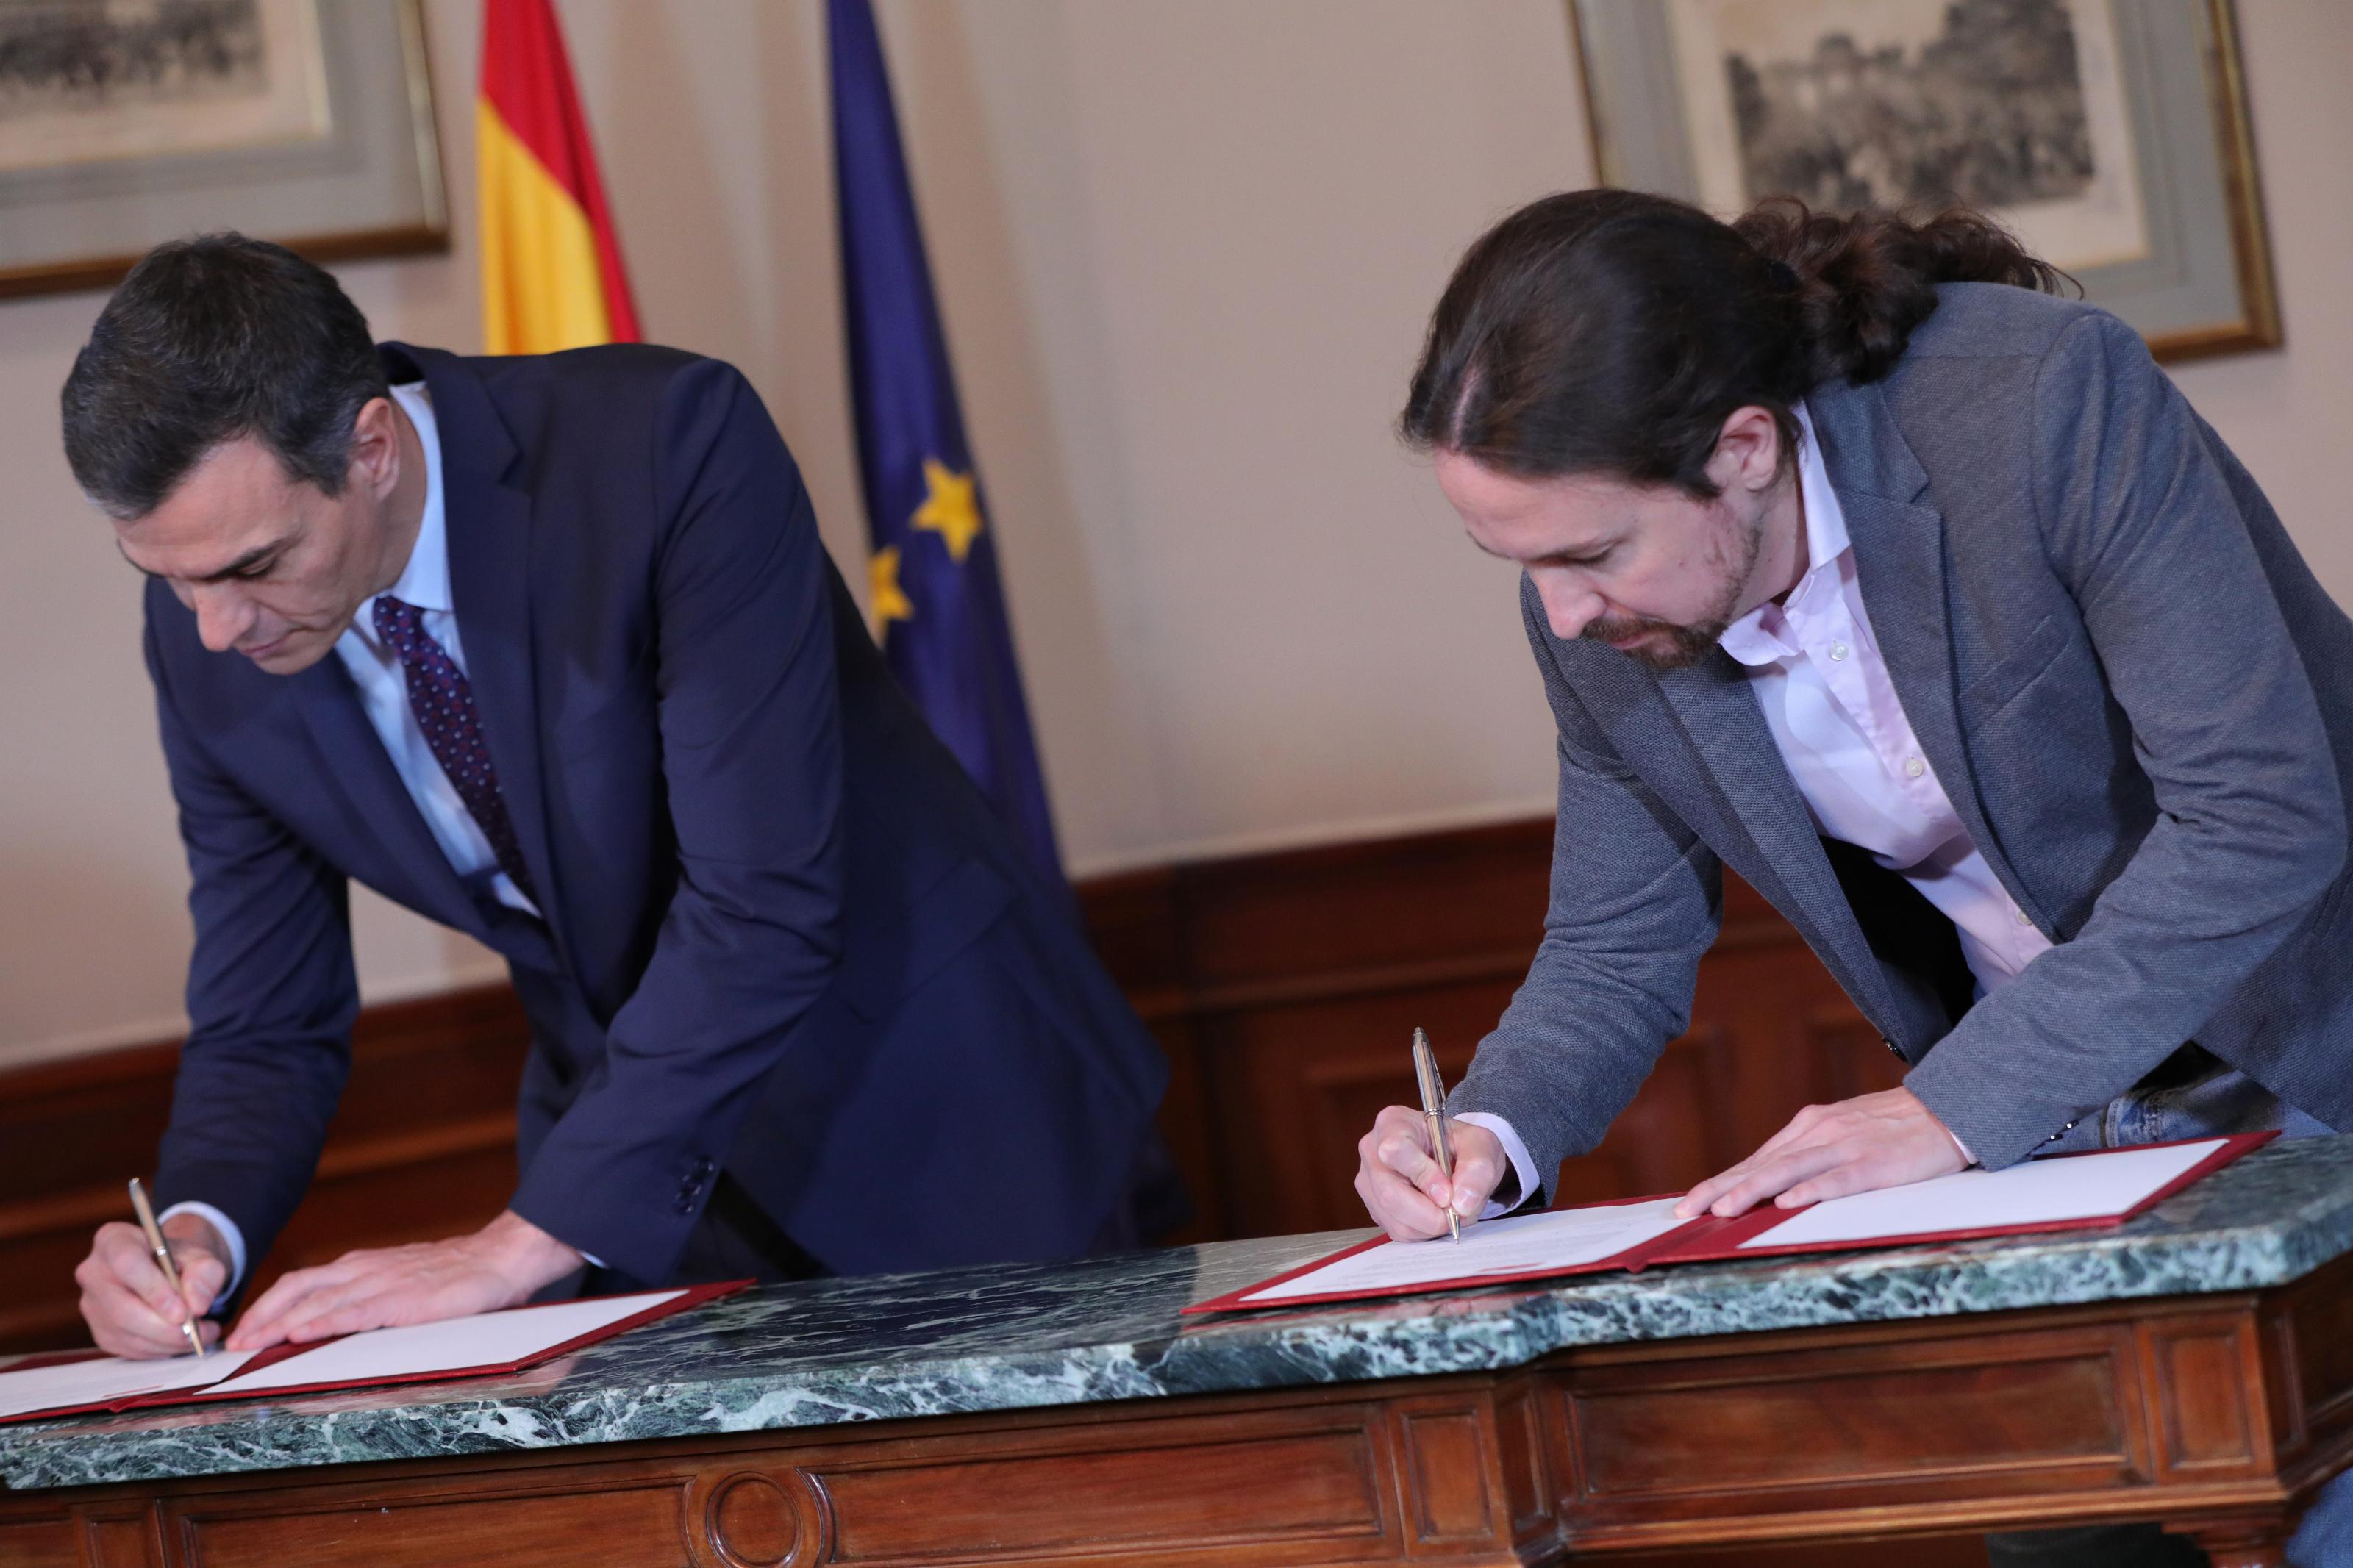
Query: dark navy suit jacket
[(784, 936)]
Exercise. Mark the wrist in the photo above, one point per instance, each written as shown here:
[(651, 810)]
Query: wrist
[(524, 1255), (192, 1232)]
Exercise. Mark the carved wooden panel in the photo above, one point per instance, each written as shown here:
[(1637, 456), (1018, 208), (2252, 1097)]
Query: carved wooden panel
[(566, 1526), (2209, 1417), (127, 1537), (2056, 1409), (1312, 1482), (52, 1542)]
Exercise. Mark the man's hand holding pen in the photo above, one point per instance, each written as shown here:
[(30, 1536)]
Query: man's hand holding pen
[(1399, 1177), (126, 1300)]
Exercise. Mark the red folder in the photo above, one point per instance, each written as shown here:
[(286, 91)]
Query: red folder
[(688, 1299), (1632, 1257), (1715, 1239), (1708, 1239)]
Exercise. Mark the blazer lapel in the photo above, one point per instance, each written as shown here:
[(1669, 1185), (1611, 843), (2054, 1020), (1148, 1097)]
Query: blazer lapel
[(1899, 557), (489, 526), (1721, 721), (415, 872)]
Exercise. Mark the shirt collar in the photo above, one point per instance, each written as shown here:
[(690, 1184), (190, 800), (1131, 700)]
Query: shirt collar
[(424, 581), (1756, 639)]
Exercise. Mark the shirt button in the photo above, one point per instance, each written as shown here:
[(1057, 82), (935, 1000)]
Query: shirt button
[(1838, 651), (1913, 767), (2020, 916)]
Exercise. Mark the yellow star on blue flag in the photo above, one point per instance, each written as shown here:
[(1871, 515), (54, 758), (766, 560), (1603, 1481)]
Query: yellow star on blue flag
[(949, 509)]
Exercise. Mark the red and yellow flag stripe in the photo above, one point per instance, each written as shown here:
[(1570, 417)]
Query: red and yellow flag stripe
[(551, 275)]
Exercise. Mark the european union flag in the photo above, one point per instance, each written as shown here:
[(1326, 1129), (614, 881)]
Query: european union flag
[(937, 604)]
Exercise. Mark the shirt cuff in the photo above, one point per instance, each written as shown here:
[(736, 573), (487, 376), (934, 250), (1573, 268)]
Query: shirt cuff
[(229, 1233), (1966, 1157), (1514, 1150)]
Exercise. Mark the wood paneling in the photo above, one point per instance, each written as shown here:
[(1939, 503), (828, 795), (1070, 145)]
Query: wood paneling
[(1285, 988)]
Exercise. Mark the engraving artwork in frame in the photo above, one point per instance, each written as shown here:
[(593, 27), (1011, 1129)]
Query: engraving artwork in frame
[(127, 122), (2111, 136)]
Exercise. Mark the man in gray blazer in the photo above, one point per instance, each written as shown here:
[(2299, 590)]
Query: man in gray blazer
[(1922, 600)]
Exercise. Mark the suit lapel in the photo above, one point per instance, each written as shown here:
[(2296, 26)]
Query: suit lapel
[(1899, 557), (490, 533), (355, 758), (1721, 720)]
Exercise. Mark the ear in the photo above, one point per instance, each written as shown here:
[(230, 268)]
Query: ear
[(1749, 449), (375, 448)]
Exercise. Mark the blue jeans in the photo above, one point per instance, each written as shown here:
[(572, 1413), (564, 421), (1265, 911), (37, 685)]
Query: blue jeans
[(2192, 1095)]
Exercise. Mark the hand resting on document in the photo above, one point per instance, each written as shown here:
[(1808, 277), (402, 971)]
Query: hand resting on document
[(501, 1265), (1398, 1176), (1857, 1145)]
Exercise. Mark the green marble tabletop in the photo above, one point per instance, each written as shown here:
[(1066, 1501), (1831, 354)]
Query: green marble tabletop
[(1018, 1337)]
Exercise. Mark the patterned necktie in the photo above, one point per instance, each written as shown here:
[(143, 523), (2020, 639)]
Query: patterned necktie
[(444, 705)]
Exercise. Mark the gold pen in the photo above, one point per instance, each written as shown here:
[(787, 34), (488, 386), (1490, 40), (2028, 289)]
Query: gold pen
[(163, 1258), (1433, 1111)]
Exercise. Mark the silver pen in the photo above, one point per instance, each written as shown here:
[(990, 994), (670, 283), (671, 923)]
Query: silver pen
[(1433, 1111), (163, 1258)]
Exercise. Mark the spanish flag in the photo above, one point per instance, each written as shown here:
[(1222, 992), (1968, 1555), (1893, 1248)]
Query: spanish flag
[(551, 274)]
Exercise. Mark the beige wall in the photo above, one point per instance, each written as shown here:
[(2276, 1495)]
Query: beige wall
[(1185, 248)]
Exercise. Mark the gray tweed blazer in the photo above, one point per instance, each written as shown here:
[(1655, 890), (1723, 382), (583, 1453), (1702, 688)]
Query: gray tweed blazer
[(2136, 693)]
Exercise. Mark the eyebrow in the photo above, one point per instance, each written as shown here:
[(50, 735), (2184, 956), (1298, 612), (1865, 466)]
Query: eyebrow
[(245, 563), (1582, 555)]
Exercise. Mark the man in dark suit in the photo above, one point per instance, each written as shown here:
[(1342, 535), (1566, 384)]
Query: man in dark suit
[(548, 650)]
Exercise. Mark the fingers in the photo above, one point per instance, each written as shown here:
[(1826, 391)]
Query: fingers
[(1857, 1145), (1805, 1122), (202, 1275), (1398, 1179), (130, 1305), (263, 1323), (1479, 1166)]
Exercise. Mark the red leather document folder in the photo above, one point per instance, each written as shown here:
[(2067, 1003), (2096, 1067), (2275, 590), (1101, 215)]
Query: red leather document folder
[(282, 1369), (2098, 1189)]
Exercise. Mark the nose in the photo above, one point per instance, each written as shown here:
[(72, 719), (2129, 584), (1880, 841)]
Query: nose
[(1570, 605), (223, 615)]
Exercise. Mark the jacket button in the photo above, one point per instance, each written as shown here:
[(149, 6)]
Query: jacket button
[(1893, 1049)]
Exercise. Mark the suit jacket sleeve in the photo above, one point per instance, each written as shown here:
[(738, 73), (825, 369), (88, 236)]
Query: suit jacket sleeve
[(2140, 520), (750, 723), (271, 995), (1636, 899)]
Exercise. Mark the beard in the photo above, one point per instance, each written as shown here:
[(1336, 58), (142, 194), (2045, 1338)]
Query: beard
[(1670, 645)]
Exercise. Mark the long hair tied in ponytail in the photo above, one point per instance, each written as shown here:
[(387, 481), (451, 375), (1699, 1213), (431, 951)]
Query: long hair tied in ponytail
[(1612, 332)]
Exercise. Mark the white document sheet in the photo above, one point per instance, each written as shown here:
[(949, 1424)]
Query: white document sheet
[(2034, 1192), (1561, 1239), (107, 1379), (488, 1339)]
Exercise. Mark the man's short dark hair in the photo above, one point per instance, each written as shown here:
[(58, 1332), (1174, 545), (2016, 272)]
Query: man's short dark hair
[(208, 339)]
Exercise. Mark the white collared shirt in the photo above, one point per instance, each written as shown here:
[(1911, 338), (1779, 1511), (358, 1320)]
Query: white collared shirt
[(384, 688), (1830, 704)]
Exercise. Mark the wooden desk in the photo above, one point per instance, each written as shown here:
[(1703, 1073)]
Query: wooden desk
[(2196, 1368)]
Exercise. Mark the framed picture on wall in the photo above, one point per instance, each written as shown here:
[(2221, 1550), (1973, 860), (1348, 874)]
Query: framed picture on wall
[(2111, 136), (127, 122)]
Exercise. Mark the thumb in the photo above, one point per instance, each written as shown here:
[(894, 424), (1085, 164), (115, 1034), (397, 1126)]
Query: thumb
[(1475, 1177), (201, 1279)]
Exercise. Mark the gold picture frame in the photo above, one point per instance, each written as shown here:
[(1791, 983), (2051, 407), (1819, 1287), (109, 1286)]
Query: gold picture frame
[(309, 123), (2149, 195)]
